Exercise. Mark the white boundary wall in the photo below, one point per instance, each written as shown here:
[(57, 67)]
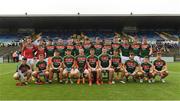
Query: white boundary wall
[(167, 59), (1, 59)]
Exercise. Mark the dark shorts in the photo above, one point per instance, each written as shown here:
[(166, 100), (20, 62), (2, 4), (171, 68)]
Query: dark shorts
[(81, 70)]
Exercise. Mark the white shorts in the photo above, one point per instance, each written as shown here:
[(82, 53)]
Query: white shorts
[(20, 57), (137, 59), (17, 74), (105, 69), (141, 60), (124, 59), (46, 59), (86, 71), (74, 71), (93, 69), (30, 61)]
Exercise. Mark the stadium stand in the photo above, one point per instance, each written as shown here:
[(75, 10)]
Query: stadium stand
[(159, 34)]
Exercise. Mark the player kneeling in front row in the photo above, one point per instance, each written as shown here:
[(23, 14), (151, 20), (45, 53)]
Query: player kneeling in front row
[(41, 70), (105, 65), (70, 69), (146, 69), (159, 68), (56, 67), (132, 68), (23, 73), (82, 67)]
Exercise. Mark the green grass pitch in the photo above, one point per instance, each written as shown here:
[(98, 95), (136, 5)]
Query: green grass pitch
[(129, 91)]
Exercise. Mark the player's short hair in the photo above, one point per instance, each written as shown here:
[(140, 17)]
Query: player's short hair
[(131, 54), (92, 49), (116, 50), (68, 50), (28, 37), (56, 51), (158, 53), (24, 58), (41, 55), (146, 57)]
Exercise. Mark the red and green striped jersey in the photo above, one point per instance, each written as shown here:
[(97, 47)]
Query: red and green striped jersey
[(146, 67), (81, 61), (104, 58), (159, 64), (56, 60), (125, 49), (50, 50), (61, 49), (145, 49), (131, 65), (92, 60), (41, 65), (69, 61), (135, 48), (98, 49), (116, 60), (87, 47)]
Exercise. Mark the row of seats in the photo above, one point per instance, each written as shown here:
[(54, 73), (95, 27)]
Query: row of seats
[(9, 37)]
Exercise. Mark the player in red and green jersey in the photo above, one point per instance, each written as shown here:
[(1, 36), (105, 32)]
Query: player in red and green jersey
[(146, 49), (56, 66), (60, 47), (107, 46), (77, 47), (41, 70), (117, 65), (82, 67), (40, 50), (92, 63), (98, 47), (105, 65), (49, 52), (146, 69), (70, 46), (132, 68), (50, 49), (125, 49), (115, 44), (135, 48), (23, 73), (87, 45), (160, 68), (70, 69)]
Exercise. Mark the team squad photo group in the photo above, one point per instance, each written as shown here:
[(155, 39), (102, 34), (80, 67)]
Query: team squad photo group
[(81, 61)]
